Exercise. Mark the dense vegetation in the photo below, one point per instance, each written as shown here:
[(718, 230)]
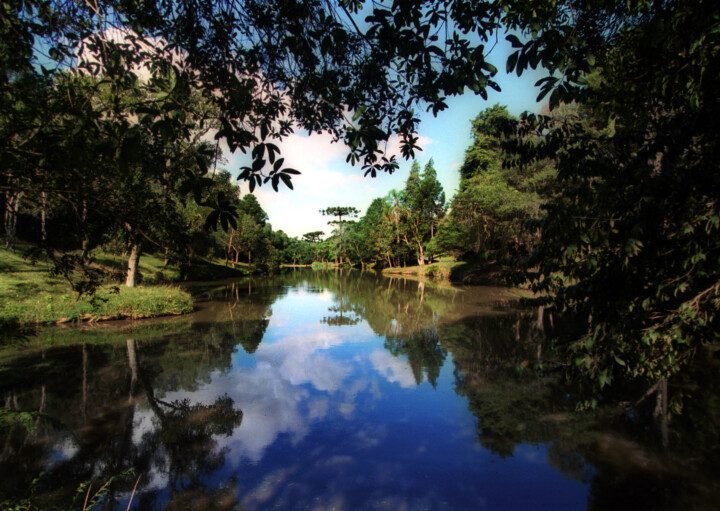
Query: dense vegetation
[(112, 115)]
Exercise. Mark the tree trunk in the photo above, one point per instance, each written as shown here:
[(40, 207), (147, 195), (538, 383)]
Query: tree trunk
[(43, 214), (229, 247), (421, 255), (86, 238), (12, 206), (661, 410), (133, 263)]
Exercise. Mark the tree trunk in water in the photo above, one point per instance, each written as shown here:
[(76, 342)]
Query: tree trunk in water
[(133, 263), (132, 363), (41, 408), (83, 406)]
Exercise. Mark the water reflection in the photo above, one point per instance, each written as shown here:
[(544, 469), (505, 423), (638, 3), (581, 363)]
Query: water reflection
[(318, 390)]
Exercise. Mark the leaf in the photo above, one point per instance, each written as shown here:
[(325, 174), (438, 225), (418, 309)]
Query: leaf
[(257, 165), (258, 151), (287, 180), (211, 220), (513, 40), (358, 113)]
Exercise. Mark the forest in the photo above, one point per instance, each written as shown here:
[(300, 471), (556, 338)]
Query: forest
[(116, 119)]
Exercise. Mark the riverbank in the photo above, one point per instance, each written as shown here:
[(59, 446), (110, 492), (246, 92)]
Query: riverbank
[(441, 270), (457, 272), (30, 295)]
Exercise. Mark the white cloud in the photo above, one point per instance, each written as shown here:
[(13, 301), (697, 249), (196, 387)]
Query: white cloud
[(325, 180)]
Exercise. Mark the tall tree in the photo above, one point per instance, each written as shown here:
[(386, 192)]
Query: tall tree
[(422, 204), (341, 228), (492, 212), (250, 206)]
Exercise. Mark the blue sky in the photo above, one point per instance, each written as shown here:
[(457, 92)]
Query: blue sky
[(327, 180)]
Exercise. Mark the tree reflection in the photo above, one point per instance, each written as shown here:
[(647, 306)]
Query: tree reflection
[(515, 395), (342, 318), (424, 353), (95, 430), (181, 445)]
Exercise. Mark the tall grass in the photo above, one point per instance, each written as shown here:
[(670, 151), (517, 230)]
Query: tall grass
[(29, 295)]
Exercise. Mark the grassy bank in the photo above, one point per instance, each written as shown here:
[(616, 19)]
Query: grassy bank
[(29, 295), (460, 272), (154, 270), (440, 270)]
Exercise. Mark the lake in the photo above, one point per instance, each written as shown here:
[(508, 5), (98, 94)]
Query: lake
[(329, 390)]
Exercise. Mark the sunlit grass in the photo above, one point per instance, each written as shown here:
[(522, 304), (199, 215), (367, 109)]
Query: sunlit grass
[(441, 270), (30, 295)]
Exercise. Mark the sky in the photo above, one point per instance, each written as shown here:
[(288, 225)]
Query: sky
[(327, 180)]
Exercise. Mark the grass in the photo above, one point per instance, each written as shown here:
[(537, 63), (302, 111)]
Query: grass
[(319, 265), (153, 269), (477, 272), (440, 270), (29, 295)]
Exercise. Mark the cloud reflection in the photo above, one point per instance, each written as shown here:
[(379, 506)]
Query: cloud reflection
[(393, 369)]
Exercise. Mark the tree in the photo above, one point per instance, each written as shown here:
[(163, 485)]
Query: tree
[(340, 238), (270, 68), (630, 244), (250, 206), (422, 205), (117, 168), (313, 237), (494, 215), (373, 232)]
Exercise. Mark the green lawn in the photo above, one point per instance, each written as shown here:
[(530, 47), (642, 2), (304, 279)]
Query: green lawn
[(29, 295)]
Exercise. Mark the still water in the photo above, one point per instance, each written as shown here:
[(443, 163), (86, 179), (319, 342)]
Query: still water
[(323, 390)]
